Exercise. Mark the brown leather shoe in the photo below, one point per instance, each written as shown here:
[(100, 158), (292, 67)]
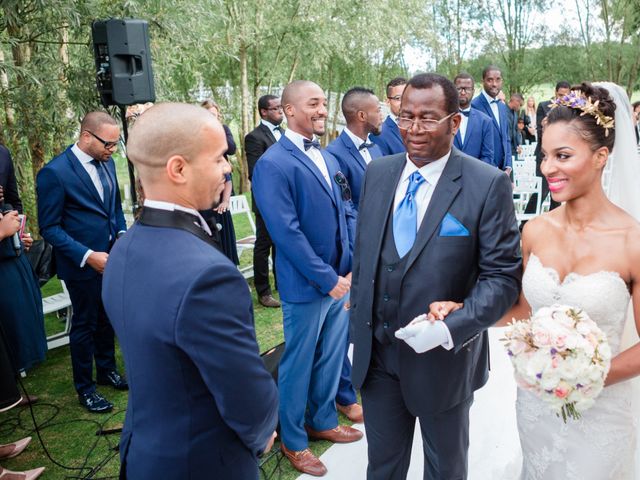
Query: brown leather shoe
[(268, 301), (340, 434), (353, 412), (304, 461)]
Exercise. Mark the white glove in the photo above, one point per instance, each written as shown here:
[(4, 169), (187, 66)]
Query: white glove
[(423, 335)]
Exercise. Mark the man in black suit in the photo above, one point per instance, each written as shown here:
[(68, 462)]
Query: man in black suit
[(562, 88), (8, 183), (256, 143), (434, 224)]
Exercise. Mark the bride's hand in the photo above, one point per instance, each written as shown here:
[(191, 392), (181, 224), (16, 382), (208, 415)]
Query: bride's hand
[(439, 310)]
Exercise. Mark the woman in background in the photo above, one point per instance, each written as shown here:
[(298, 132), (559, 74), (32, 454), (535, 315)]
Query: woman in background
[(221, 215)]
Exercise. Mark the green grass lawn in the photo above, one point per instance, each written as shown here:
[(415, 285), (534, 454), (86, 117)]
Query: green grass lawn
[(68, 431)]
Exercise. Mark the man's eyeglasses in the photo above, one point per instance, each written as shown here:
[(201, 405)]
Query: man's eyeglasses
[(341, 180), (107, 145), (397, 98), (424, 124), (464, 89)]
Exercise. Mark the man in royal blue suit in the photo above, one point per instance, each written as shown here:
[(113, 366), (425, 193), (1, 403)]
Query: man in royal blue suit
[(80, 215), (488, 103), (304, 200), (201, 404), (389, 139), (354, 151), (475, 135)]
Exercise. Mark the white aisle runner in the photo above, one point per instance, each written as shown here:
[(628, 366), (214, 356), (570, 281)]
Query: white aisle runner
[(494, 451)]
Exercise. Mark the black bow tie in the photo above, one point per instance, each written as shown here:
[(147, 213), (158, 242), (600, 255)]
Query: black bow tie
[(366, 145), (494, 101), (278, 129), (465, 112), (310, 144)]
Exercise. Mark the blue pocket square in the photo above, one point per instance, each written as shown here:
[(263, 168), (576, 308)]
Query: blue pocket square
[(451, 227)]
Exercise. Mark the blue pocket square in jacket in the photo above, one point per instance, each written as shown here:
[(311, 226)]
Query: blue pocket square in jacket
[(451, 227)]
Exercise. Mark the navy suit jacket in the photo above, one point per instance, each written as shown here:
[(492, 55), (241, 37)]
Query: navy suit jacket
[(71, 215), (201, 403), (478, 139), (482, 269), (351, 162), (389, 140), (310, 224), (8, 180), (501, 136)]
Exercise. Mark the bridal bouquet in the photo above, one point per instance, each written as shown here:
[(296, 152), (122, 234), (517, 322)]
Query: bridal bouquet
[(561, 356)]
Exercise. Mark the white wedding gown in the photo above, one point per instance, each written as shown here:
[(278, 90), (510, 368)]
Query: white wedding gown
[(601, 445)]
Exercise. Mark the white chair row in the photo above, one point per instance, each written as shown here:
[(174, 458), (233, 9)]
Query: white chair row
[(59, 303)]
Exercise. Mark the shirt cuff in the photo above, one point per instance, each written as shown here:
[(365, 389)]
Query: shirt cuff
[(86, 256), (448, 344)]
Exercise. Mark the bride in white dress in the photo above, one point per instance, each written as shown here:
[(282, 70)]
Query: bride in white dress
[(585, 253)]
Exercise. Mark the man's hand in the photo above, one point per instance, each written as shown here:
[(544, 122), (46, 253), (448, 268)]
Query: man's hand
[(97, 261), (9, 224), (439, 310), (270, 443), (341, 288)]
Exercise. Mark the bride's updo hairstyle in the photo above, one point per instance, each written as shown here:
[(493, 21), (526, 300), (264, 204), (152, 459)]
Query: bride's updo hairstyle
[(587, 114)]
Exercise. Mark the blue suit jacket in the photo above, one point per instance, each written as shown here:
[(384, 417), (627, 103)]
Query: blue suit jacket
[(389, 140), (501, 137), (310, 224), (201, 403), (71, 215), (478, 139), (351, 162)]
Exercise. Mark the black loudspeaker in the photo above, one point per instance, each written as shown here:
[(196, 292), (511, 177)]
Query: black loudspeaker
[(271, 359), (123, 61)]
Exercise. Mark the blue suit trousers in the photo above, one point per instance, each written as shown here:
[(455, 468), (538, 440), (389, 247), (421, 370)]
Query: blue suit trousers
[(315, 333)]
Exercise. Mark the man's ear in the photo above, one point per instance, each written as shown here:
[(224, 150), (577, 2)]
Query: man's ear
[(175, 168)]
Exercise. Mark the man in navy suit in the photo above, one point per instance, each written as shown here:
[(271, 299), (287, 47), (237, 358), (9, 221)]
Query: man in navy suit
[(433, 224), (256, 142), (354, 151), (201, 404), (475, 135), (80, 215), (304, 200), (488, 103), (389, 139)]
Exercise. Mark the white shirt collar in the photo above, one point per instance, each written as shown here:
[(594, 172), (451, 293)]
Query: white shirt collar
[(82, 156), (488, 97), (431, 172), (393, 117), (160, 205), (297, 139), (357, 141), (268, 124), (468, 109)]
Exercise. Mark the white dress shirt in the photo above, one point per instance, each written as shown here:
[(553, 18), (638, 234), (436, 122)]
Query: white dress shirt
[(92, 170), (431, 172), (170, 207), (463, 124), (357, 141), (313, 153), (275, 129), (494, 106)]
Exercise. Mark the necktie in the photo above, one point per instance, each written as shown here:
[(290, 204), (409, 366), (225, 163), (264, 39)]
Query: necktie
[(465, 112), (366, 145), (310, 144), (104, 180), (405, 216)]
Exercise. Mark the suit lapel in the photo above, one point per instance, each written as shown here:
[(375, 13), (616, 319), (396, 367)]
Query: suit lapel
[(308, 163), (268, 134), (470, 125), (394, 128), (84, 176), (355, 153), (445, 193), (488, 111)]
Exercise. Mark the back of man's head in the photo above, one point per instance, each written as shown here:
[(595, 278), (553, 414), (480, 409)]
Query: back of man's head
[(353, 100), (165, 130), (92, 121)]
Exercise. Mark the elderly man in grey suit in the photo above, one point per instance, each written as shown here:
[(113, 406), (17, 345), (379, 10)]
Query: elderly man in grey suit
[(434, 224)]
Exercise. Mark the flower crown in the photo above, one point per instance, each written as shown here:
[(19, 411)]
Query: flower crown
[(576, 99)]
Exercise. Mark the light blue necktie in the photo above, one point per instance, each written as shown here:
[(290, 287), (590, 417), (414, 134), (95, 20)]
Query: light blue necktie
[(405, 216)]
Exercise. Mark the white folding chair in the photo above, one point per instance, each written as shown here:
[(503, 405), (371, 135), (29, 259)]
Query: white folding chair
[(522, 191), (56, 303), (238, 205)]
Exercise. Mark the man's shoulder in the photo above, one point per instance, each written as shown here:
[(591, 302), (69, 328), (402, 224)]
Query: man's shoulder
[(256, 132), (382, 164), (477, 168), (479, 116), (477, 101), (337, 145)]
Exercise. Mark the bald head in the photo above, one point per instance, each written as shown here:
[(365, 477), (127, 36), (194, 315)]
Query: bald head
[(165, 130), (296, 91), (305, 107), (93, 121)]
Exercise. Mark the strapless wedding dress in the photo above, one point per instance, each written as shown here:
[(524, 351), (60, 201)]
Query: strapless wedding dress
[(601, 445)]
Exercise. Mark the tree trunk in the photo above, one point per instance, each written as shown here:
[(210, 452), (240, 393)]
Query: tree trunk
[(245, 99)]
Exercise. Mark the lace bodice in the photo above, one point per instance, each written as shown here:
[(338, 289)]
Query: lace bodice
[(603, 295), (599, 446)]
